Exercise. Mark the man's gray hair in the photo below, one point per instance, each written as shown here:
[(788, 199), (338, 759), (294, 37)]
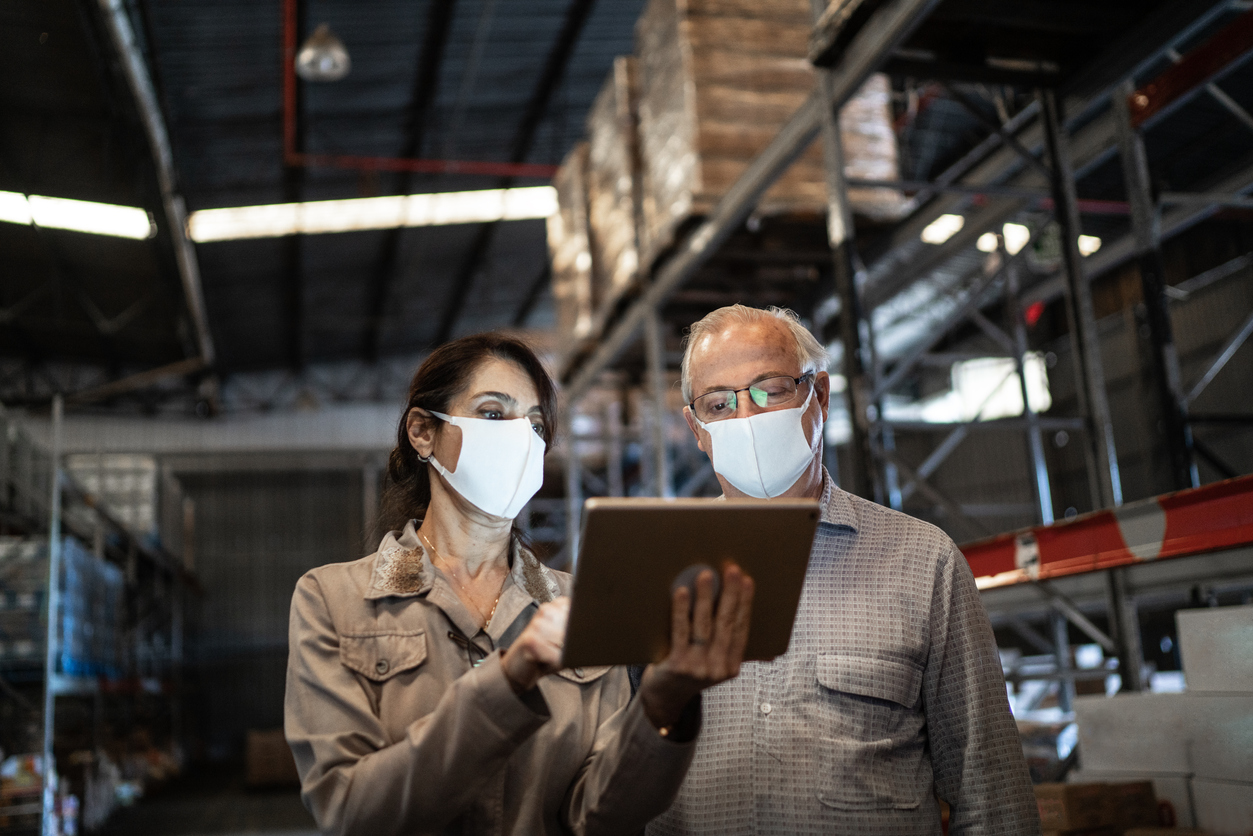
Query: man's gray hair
[(809, 352)]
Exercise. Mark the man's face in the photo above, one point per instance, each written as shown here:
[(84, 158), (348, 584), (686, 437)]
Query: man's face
[(740, 355)]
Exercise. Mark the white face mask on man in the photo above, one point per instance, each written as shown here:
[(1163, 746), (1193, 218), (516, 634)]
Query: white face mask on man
[(764, 454), (501, 465)]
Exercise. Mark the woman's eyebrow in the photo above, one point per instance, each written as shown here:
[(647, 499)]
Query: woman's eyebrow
[(500, 396)]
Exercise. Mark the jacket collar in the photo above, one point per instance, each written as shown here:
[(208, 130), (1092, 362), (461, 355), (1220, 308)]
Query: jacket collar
[(403, 568)]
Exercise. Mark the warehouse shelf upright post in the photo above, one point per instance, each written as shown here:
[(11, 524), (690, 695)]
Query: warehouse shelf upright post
[(92, 620)]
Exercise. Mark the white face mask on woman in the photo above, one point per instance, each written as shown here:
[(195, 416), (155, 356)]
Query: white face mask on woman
[(501, 465), (764, 454)]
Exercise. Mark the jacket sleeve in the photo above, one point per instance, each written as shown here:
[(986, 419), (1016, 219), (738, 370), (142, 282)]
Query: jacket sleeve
[(632, 774), (975, 749), (352, 780)]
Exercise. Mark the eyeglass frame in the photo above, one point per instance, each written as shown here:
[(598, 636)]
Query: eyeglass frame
[(810, 376)]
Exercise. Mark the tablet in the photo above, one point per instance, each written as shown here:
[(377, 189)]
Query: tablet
[(632, 550)]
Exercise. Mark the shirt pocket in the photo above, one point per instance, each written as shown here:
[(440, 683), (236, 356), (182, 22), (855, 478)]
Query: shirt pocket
[(870, 750), (381, 656)]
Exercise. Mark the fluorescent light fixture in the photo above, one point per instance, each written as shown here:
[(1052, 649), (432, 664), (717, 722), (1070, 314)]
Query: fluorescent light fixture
[(437, 209), (14, 209), (1016, 237), (1088, 244), (987, 242), (942, 229), (76, 215), (86, 216)]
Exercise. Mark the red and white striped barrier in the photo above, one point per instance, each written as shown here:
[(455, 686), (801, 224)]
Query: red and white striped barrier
[(1194, 521)]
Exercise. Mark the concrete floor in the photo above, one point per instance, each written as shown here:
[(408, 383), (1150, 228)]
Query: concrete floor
[(213, 802)]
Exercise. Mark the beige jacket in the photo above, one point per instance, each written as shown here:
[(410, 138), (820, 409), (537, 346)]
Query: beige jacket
[(394, 732)]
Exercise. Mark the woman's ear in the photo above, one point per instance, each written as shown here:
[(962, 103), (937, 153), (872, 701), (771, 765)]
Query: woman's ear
[(420, 427)]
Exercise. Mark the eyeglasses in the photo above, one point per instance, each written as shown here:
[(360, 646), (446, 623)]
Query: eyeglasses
[(474, 653), (771, 393)]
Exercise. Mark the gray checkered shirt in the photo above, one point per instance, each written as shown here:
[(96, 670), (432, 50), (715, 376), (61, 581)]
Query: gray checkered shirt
[(891, 694)]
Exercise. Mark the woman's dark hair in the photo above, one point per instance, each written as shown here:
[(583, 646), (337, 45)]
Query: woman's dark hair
[(438, 381)]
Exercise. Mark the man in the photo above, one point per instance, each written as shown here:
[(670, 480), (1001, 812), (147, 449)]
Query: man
[(891, 694)]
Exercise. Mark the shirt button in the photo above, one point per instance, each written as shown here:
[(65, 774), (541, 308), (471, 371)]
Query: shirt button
[(381, 667), (578, 672), (766, 708)]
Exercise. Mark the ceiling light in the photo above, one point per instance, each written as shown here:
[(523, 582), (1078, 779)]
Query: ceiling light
[(987, 242), (13, 208), (439, 209), (1016, 237), (1088, 244), (942, 229), (323, 57), (76, 215)]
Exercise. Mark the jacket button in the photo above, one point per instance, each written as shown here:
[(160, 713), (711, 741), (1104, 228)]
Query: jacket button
[(381, 667)]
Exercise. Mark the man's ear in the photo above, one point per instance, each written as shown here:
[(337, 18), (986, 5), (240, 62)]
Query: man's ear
[(420, 427), (822, 392), (691, 425)]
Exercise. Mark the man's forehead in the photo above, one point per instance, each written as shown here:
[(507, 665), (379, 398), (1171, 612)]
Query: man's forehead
[(741, 351)]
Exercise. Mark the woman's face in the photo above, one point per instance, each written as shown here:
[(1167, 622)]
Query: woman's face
[(498, 390)]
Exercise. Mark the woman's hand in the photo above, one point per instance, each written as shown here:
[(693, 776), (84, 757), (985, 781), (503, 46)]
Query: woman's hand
[(704, 649), (537, 652)]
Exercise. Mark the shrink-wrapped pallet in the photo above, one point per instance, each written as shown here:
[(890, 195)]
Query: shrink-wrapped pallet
[(717, 80), (569, 249), (613, 186)]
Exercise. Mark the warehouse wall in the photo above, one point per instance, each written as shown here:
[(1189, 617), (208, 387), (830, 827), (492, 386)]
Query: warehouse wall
[(256, 534)]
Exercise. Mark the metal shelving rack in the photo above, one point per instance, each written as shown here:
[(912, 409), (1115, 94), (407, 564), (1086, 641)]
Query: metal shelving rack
[(39, 499), (1030, 160)]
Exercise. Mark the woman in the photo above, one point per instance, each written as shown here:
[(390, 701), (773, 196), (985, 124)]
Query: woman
[(419, 694)]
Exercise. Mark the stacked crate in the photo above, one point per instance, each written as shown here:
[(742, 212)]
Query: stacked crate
[(717, 80), (613, 182), (569, 248), (91, 608)]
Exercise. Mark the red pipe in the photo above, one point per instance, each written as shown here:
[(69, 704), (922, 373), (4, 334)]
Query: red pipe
[(295, 158)]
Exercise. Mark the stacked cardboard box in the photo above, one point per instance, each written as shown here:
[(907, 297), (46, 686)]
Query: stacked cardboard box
[(1096, 808), (1195, 747), (570, 250), (717, 80), (268, 760), (613, 186)]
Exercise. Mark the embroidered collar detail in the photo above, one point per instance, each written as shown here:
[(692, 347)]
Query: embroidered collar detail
[(402, 568)]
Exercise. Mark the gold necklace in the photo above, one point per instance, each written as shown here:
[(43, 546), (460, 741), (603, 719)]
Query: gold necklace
[(469, 596)]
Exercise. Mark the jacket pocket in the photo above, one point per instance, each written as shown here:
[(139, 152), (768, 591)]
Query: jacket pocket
[(871, 747), (583, 675), (380, 656)]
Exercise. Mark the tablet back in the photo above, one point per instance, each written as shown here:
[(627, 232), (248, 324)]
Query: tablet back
[(631, 550)]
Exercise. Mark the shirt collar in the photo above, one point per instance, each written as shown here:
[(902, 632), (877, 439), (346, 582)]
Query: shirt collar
[(836, 505)]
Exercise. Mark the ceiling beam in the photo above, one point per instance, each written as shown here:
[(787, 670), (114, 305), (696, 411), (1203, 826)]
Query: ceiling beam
[(425, 85), (548, 84)]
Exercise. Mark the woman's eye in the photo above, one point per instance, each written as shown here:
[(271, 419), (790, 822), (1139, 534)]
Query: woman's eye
[(539, 430), (492, 414)]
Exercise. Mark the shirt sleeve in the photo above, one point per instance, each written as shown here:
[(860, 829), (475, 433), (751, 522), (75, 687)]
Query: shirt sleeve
[(351, 779), (632, 775), (975, 749)]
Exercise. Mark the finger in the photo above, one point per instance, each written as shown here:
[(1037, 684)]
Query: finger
[(728, 606), (680, 626), (702, 613), (743, 620)]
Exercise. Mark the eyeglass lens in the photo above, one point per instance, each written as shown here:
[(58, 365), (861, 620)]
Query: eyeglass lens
[(774, 391)]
